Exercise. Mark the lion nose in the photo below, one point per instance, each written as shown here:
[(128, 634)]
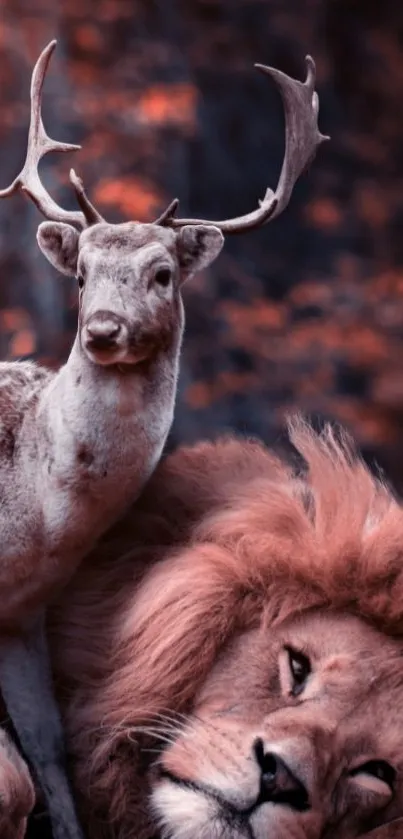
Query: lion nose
[(103, 330), (277, 782)]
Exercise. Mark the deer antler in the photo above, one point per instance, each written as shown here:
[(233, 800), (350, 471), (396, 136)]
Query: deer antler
[(39, 144), (302, 139)]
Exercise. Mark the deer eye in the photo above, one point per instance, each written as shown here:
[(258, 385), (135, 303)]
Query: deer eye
[(81, 277), (300, 669), (163, 277)]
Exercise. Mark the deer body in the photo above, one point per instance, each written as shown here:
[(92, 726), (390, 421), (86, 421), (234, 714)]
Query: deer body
[(80, 444), (77, 446), (87, 441)]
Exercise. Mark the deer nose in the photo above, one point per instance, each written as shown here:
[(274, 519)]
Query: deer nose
[(103, 330), (278, 783)]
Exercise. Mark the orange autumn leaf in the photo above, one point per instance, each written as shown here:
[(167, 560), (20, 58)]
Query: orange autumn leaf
[(310, 293), (88, 37), (199, 395), (324, 212), (174, 104), (22, 343), (231, 381), (258, 314), (135, 197), (367, 347), (370, 205), (13, 319)]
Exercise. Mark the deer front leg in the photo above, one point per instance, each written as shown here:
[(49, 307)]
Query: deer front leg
[(26, 686)]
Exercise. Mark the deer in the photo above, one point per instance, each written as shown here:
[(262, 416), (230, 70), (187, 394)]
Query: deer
[(77, 445)]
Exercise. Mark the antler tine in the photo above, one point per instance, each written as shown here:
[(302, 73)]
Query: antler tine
[(91, 214), (302, 140), (169, 213), (39, 144)]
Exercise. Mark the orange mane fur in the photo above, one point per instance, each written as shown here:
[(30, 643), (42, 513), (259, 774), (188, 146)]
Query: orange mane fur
[(226, 535)]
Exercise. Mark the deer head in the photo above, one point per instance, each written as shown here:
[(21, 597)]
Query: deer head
[(129, 275)]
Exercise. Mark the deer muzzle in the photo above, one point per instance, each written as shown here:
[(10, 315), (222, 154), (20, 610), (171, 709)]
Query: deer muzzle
[(105, 338)]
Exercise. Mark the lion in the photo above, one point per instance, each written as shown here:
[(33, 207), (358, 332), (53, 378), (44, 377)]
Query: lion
[(229, 660)]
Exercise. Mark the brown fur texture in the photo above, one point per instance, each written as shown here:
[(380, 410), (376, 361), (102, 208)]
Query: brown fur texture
[(17, 794), (228, 538)]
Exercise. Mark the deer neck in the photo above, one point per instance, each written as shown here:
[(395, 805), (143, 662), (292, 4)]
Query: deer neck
[(103, 431), (115, 393)]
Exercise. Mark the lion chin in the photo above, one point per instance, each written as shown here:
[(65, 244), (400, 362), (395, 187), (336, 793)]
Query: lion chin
[(230, 657)]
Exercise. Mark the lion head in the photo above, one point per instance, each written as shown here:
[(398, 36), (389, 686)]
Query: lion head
[(295, 733), (230, 658)]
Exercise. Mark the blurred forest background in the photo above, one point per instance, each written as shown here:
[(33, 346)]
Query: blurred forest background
[(306, 313)]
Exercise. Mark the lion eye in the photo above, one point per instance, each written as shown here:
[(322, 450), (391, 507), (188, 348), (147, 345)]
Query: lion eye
[(300, 668), (379, 769)]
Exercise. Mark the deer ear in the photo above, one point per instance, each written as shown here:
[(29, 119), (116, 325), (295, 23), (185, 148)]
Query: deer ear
[(59, 243), (198, 246)]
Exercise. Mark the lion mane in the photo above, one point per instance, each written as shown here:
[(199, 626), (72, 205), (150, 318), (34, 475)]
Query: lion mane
[(226, 535)]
